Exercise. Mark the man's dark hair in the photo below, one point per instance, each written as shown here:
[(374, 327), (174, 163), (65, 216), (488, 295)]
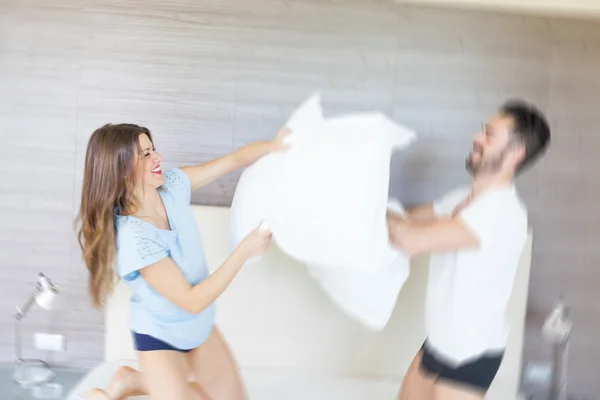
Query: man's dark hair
[(530, 129)]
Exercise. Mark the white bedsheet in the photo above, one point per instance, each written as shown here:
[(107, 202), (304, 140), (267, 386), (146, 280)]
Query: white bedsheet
[(270, 384)]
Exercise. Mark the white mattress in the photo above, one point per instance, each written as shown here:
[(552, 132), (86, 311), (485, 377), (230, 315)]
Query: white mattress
[(273, 385)]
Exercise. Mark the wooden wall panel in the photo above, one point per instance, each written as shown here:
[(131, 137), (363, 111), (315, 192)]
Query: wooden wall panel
[(40, 51), (207, 77)]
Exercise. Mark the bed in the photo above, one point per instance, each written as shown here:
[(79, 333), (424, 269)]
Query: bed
[(292, 343)]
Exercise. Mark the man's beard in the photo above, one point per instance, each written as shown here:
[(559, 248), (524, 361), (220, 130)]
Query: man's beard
[(487, 165)]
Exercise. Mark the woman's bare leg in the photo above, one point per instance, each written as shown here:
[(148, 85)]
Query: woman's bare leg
[(128, 382), (165, 375), (215, 369)]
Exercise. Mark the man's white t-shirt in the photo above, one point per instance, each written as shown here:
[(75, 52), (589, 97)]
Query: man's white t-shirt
[(468, 290)]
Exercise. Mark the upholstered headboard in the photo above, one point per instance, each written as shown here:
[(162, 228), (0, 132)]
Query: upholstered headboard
[(274, 315)]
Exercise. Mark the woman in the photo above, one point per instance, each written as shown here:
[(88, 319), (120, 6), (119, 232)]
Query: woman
[(138, 219)]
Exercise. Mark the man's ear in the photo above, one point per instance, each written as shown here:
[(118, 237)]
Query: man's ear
[(518, 154)]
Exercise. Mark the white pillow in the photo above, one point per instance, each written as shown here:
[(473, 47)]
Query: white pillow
[(253, 200), (325, 198), (367, 296)]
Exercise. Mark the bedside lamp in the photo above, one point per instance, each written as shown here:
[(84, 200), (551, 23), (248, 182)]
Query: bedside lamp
[(30, 372), (557, 331)]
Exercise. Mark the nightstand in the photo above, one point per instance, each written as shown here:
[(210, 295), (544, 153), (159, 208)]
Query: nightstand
[(64, 376)]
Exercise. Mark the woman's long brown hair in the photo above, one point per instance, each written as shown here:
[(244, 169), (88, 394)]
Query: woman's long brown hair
[(109, 180)]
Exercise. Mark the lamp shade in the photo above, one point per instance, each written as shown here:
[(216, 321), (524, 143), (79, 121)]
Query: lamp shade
[(47, 293)]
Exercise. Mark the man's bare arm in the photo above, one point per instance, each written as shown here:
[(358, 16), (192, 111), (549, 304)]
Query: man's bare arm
[(422, 214), (437, 236)]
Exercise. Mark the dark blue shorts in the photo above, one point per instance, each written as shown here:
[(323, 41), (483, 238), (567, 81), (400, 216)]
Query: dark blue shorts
[(478, 373), (148, 343)]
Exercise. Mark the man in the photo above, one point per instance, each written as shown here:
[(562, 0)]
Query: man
[(475, 235)]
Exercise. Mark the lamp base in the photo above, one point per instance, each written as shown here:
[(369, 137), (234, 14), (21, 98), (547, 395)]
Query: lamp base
[(30, 373)]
